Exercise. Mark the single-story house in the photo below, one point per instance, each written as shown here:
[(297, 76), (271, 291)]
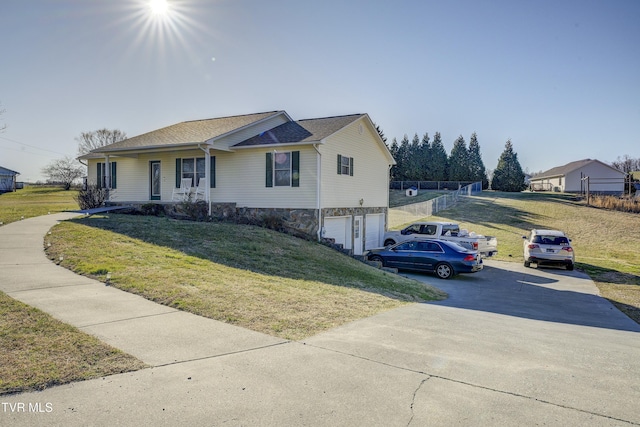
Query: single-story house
[(571, 178), (325, 177), (7, 180)]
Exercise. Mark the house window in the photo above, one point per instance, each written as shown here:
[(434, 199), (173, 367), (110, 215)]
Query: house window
[(345, 165), (102, 175), (194, 169), (283, 169)]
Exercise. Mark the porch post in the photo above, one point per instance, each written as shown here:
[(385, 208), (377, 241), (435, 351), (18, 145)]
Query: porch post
[(107, 176), (207, 172)]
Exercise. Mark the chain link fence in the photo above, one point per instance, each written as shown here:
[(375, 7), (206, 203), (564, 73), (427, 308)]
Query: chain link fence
[(415, 211)]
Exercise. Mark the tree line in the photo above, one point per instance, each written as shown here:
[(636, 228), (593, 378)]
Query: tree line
[(423, 159)]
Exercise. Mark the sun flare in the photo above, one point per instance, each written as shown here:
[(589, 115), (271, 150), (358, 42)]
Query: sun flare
[(159, 7)]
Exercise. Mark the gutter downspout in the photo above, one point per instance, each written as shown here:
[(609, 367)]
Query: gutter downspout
[(207, 177), (386, 220), (318, 189)]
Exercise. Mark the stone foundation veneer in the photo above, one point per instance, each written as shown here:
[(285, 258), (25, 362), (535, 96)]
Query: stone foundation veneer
[(300, 222)]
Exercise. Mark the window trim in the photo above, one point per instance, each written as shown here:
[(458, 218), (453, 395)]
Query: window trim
[(196, 173), (102, 177), (294, 169), (349, 167)]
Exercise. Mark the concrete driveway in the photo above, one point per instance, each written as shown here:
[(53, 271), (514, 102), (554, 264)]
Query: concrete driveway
[(511, 346)]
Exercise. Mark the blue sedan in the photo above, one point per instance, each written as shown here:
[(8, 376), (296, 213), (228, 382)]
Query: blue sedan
[(444, 258)]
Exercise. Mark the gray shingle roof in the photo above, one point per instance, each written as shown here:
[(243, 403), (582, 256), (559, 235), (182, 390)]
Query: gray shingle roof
[(565, 169), (5, 171), (191, 132), (301, 131)]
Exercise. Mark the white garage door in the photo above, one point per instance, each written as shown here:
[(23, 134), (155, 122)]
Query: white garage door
[(339, 229), (374, 226)]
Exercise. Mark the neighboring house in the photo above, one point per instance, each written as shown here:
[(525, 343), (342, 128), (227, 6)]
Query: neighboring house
[(603, 179), (7, 180), (326, 177)]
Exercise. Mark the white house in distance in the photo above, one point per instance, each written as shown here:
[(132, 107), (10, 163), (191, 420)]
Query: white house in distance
[(325, 177), (603, 179)]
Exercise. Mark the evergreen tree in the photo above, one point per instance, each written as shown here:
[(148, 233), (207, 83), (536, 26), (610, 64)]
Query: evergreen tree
[(476, 166), (425, 156), (438, 159), (508, 175), (414, 167), (381, 133), (402, 159), (459, 161)]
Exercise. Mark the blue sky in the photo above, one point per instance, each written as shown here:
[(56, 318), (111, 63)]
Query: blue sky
[(560, 78)]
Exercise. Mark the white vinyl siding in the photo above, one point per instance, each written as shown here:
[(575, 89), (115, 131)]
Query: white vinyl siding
[(602, 179), (241, 179), (369, 182)]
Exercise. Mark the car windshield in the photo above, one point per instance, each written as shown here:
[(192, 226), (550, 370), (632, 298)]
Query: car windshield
[(551, 240)]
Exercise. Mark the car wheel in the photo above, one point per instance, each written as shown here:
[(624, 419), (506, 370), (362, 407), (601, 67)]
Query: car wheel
[(570, 266), (444, 271), (527, 264), (389, 242), (377, 259)]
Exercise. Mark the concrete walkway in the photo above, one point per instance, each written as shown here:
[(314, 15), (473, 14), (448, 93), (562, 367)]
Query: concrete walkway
[(512, 346)]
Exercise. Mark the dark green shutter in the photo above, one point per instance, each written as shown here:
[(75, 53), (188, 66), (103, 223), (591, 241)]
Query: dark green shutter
[(178, 172), (351, 166), (295, 169), (269, 173), (212, 172), (339, 164), (99, 180), (113, 175)]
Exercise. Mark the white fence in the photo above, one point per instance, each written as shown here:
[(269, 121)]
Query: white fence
[(415, 211)]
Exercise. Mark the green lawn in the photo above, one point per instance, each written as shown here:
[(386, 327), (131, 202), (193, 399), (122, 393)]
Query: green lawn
[(400, 198), (38, 351), (35, 201)]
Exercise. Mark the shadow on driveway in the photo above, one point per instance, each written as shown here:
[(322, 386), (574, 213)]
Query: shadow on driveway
[(549, 294)]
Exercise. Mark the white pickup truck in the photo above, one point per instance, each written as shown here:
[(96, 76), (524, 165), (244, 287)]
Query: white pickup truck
[(485, 245)]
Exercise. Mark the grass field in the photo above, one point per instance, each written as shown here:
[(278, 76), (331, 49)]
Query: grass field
[(606, 242), (35, 201), (38, 351)]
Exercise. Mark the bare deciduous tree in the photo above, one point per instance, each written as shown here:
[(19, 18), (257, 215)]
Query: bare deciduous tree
[(88, 141), (64, 171), (627, 164)]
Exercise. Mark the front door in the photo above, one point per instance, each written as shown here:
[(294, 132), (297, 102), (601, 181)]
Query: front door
[(155, 177), (357, 235)]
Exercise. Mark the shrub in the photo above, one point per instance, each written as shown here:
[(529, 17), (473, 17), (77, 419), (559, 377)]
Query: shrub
[(91, 197), (197, 211), (152, 209), (273, 222)]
